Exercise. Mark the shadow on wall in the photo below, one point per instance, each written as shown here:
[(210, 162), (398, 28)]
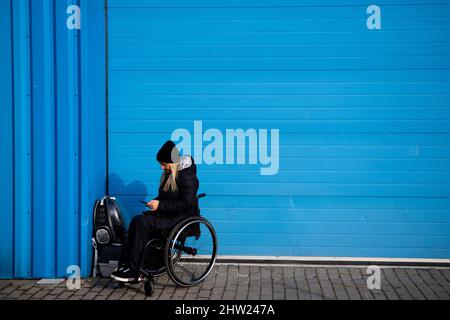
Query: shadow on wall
[(127, 195)]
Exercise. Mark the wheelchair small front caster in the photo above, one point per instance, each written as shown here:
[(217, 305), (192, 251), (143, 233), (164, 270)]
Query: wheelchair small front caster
[(149, 287)]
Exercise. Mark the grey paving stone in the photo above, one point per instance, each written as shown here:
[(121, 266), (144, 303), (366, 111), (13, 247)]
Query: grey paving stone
[(228, 295), (266, 293), (313, 284), (338, 285), (97, 288), (115, 295), (27, 285), (256, 282), (89, 296), (255, 275), (327, 290), (379, 294), (165, 295), (395, 283), (445, 273), (179, 294), (278, 291), (333, 273), (25, 297), (435, 282), (209, 282), (241, 294), (422, 286), (81, 292), (344, 274), (303, 292), (355, 273), (266, 284), (254, 293), (216, 297), (291, 294), (15, 295), (57, 290), (204, 294), (391, 295), (190, 296), (65, 295), (341, 294), (290, 285), (353, 293), (4, 284), (138, 296), (440, 279), (413, 290), (221, 280), (33, 290), (217, 290), (8, 289), (243, 283), (40, 294)]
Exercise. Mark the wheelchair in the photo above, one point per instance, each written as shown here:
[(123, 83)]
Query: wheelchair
[(186, 252)]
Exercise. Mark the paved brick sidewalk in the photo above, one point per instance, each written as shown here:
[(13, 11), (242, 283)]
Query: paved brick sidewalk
[(257, 282)]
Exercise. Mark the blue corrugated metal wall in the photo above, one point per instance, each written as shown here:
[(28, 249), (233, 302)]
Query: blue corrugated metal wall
[(364, 118), (53, 159)]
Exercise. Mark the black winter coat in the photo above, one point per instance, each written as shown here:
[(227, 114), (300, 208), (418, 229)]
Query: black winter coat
[(182, 203)]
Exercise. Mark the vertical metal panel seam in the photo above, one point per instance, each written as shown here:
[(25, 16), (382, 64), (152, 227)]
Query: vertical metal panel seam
[(80, 142), (31, 105), (107, 99), (13, 144), (69, 137), (51, 135), (72, 123), (80, 138), (55, 142)]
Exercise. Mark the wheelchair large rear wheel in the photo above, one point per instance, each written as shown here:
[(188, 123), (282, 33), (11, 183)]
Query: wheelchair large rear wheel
[(153, 257), (191, 251)]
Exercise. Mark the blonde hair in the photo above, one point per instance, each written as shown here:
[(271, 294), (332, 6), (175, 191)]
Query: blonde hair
[(170, 182)]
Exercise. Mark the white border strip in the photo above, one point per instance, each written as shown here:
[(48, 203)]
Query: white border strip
[(331, 259)]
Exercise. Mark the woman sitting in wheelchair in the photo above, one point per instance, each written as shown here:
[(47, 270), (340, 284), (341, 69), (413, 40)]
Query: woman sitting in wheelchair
[(176, 200)]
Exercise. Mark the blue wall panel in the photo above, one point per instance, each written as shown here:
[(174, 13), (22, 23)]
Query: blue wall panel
[(43, 127), (22, 137), (66, 79), (7, 145), (364, 118), (54, 133), (92, 176)]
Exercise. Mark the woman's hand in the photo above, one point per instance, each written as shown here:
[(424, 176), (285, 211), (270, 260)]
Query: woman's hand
[(153, 205)]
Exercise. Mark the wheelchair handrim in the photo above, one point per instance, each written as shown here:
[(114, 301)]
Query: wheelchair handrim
[(169, 247)]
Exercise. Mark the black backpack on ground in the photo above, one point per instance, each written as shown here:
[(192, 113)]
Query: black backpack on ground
[(108, 235)]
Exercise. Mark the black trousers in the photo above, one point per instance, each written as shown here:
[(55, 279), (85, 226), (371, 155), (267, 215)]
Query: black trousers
[(142, 228)]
